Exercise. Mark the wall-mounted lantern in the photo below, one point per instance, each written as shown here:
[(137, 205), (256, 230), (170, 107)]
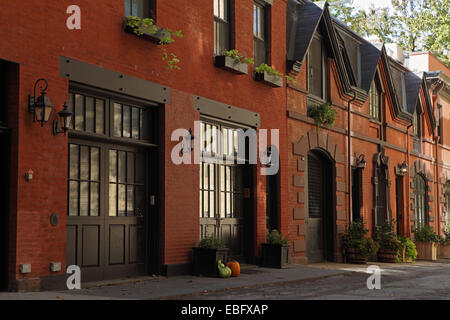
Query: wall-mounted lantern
[(63, 124), (402, 169), (361, 162), (189, 140), (41, 106)]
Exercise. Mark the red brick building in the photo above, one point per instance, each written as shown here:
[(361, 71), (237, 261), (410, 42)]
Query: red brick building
[(107, 195), (123, 206)]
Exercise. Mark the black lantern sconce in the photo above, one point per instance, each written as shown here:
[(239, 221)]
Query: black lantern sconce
[(189, 140), (361, 162), (268, 154), (402, 169), (63, 124), (41, 106)]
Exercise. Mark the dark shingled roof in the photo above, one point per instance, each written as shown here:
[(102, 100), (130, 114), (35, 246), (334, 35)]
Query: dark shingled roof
[(303, 20), (370, 56), (412, 88)]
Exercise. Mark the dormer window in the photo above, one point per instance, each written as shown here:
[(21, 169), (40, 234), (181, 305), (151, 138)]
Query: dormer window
[(375, 101), (317, 80)]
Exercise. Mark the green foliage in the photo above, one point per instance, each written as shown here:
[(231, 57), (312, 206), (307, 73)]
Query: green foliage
[(323, 114), (416, 25), (141, 26), (275, 237), (212, 243), (425, 233), (410, 249), (386, 237), (354, 238), (238, 57), (263, 67)]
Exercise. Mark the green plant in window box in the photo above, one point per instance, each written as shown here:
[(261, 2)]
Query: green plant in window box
[(238, 57), (263, 67), (323, 114), (147, 26)]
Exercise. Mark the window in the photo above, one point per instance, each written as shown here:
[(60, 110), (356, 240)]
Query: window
[(260, 33), (222, 26), (356, 193), (97, 115), (221, 191), (317, 69), (447, 200), (439, 123), (141, 8), (420, 204), (374, 101), (417, 131)]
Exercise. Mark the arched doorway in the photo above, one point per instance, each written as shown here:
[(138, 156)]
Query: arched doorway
[(320, 219)]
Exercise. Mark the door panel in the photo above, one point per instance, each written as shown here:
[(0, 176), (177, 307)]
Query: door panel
[(314, 243), (107, 205), (320, 221)]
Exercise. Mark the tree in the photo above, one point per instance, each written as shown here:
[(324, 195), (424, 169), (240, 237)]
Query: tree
[(416, 25)]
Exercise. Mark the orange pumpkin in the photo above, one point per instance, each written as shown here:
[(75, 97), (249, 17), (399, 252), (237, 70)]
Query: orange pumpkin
[(235, 268)]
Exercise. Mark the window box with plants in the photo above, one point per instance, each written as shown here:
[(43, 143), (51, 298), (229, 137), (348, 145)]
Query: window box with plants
[(233, 61), (205, 257), (426, 242), (358, 248), (268, 75), (389, 245), (146, 28), (275, 253)]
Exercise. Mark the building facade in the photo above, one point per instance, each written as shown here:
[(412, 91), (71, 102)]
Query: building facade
[(135, 182)]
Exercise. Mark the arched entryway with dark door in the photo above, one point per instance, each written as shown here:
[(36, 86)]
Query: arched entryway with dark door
[(320, 220)]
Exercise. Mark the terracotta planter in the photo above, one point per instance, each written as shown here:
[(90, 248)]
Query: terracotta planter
[(444, 251), (426, 251), (387, 255), (353, 255)]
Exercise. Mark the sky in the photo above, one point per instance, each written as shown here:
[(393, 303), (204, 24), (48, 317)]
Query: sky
[(365, 4)]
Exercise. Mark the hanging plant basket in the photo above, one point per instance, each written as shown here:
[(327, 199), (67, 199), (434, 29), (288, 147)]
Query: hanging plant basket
[(323, 114)]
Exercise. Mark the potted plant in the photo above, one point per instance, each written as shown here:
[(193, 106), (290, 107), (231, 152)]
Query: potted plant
[(322, 114), (408, 252), (233, 61), (444, 244), (426, 242), (389, 245), (206, 254), (358, 248), (275, 252)]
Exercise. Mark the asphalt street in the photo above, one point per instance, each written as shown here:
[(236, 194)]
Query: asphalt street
[(418, 281)]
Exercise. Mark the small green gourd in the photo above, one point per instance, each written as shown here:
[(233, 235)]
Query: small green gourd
[(224, 272)]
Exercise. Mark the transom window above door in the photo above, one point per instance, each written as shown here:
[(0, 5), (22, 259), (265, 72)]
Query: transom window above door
[(112, 118)]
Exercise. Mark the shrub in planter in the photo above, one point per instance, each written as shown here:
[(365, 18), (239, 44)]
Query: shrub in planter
[(275, 253), (408, 252), (389, 245), (205, 256), (444, 244), (358, 248), (426, 242)]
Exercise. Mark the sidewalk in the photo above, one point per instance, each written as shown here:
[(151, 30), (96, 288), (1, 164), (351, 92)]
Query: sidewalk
[(158, 287)]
